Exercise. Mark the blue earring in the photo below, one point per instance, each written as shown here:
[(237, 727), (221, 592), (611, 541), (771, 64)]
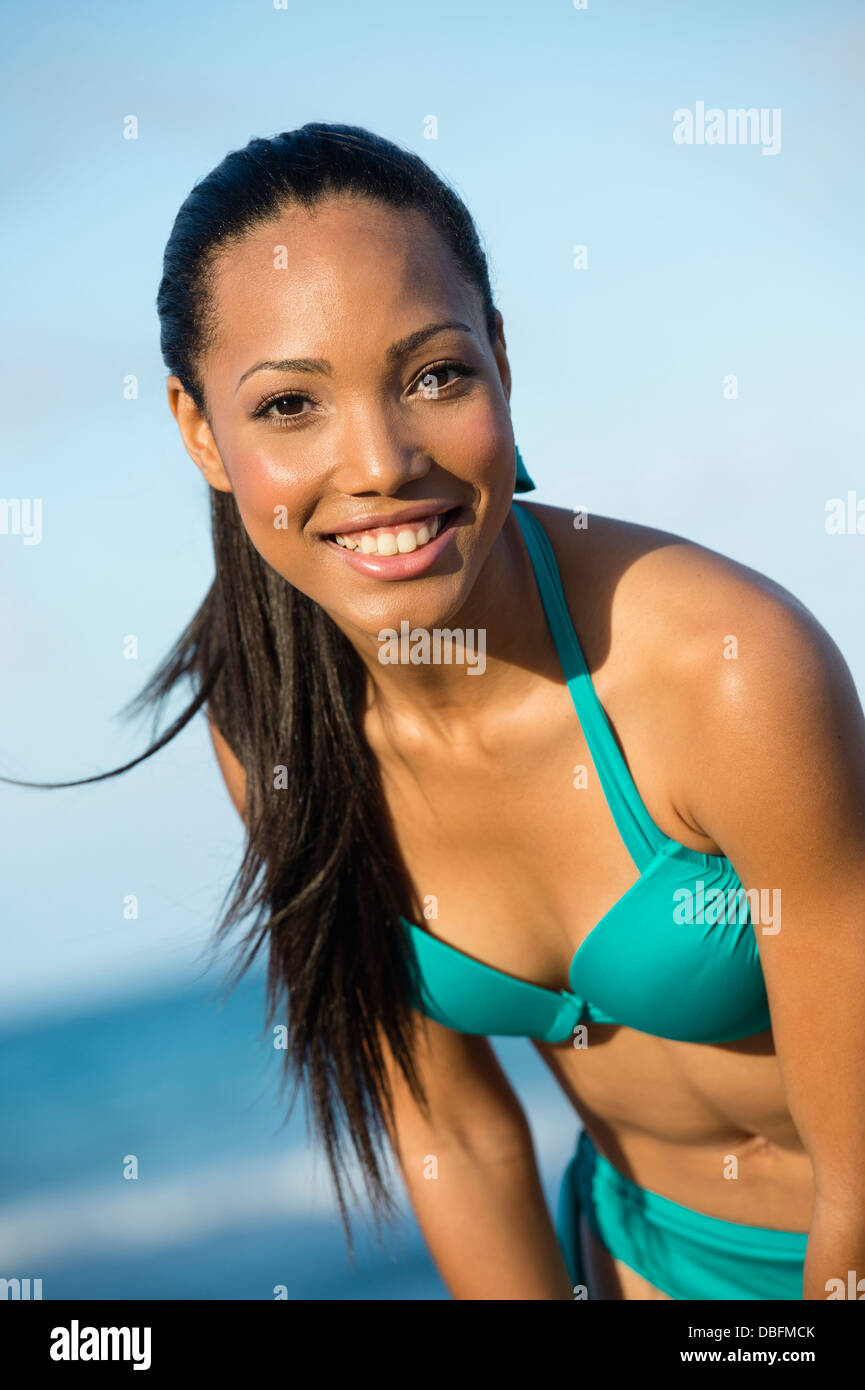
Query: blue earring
[(523, 482)]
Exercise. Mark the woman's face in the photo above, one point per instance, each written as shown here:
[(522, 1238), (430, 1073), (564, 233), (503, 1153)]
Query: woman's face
[(352, 391)]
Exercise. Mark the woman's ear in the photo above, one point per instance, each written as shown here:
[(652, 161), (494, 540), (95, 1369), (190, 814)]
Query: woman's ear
[(197, 435), (501, 356)]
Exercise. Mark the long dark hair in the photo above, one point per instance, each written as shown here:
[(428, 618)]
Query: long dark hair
[(320, 872)]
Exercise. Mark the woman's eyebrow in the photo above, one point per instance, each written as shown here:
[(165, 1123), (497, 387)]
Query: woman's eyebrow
[(401, 348)]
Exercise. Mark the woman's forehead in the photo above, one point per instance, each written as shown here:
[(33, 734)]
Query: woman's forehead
[(339, 236), (351, 270)]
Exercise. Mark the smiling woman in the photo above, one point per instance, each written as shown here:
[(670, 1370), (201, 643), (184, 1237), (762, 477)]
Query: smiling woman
[(333, 241), (338, 373), (422, 862)]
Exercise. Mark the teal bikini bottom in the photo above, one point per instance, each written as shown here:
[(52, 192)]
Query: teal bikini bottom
[(684, 1253)]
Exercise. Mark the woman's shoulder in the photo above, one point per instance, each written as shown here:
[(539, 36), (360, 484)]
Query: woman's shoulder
[(686, 646), (647, 588)]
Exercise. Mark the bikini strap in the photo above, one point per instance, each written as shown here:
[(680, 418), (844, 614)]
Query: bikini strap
[(642, 837)]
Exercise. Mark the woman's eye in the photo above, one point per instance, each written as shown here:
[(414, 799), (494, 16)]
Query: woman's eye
[(273, 409), (287, 407), (431, 381)]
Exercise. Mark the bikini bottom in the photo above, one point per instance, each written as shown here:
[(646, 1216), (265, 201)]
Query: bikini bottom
[(684, 1253)]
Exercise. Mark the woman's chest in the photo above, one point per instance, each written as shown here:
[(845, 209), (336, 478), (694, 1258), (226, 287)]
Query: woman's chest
[(512, 850)]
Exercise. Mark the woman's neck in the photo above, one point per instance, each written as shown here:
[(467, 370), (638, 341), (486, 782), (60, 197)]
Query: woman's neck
[(452, 680)]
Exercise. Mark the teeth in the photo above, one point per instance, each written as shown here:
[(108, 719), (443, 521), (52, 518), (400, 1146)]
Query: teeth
[(399, 541)]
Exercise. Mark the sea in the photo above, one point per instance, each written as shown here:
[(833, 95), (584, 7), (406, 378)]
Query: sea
[(150, 1150)]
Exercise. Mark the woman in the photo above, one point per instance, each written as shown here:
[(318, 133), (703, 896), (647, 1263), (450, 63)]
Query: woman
[(541, 842)]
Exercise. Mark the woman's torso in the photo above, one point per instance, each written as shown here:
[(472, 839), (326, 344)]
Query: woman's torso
[(522, 865)]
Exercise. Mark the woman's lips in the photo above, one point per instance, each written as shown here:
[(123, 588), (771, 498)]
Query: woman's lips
[(400, 566)]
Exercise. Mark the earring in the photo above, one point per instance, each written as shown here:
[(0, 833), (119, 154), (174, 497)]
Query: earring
[(523, 482)]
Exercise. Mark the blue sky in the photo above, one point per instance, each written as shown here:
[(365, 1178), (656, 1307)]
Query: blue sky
[(556, 127)]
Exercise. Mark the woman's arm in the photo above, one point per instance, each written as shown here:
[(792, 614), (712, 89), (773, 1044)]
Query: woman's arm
[(776, 776), (470, 1169), (471, 1175)]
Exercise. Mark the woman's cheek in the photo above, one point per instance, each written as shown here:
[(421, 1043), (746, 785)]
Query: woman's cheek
[(269, 506), (491, 435)]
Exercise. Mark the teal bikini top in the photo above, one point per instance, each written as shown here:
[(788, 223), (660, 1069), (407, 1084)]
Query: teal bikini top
[(676, 956)]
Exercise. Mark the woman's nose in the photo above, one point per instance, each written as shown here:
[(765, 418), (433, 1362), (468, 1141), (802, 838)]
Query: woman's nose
[(376, 456)]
